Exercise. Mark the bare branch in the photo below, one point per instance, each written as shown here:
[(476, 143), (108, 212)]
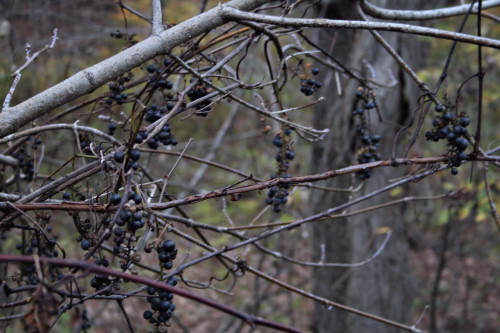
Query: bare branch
[(74, 177), (230, 13), (487, 187), (52, 127), (420, 15)]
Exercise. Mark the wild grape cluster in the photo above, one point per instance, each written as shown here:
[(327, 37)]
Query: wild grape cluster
[(200, 90), (36, 243), (116, 90), (85, 321), (26, 163), (84, 142), (128, 223), (132, 162), (156, 78), (100, 280), (116, 34), (367, 143), (154, 113), (160, 301), (278, 195), (129, 37), (309, 86), (36, 142), (453, 128)]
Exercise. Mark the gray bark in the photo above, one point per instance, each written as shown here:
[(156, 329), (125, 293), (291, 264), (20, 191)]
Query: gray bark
[(384, 287)]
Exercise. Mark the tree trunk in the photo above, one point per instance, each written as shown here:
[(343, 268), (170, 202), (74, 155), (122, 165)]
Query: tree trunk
[(385, 286)]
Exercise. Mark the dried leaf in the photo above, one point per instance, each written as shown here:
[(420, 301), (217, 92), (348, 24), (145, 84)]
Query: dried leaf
[(42, 311)]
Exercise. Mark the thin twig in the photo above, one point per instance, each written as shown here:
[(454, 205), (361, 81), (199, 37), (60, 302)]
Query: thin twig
[(135, 12), (29, 60), (487, 187), (401, 62)]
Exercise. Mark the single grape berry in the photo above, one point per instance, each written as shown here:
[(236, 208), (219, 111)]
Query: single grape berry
[(168, 245), (137, 224), (278, 142), (151, 68), (147, 314), (461, 156), (137, 198), (376, 138), (289, 154), (465, 121), (369, 105), (125, 215), (85, 245), (66, 196), (119, 156), (172, 281), (163, 256), (168, 265), (111, 128), (134, 165), (135, 155), (115, 199), (118, 231), (315, 71), (439, 108)]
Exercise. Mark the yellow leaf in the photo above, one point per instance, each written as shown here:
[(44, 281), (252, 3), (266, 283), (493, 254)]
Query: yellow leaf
[(382, 230), (395, 191), (464, 211), (481, 217)]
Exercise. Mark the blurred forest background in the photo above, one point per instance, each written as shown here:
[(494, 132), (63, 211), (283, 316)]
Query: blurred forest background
[(453, 240)]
